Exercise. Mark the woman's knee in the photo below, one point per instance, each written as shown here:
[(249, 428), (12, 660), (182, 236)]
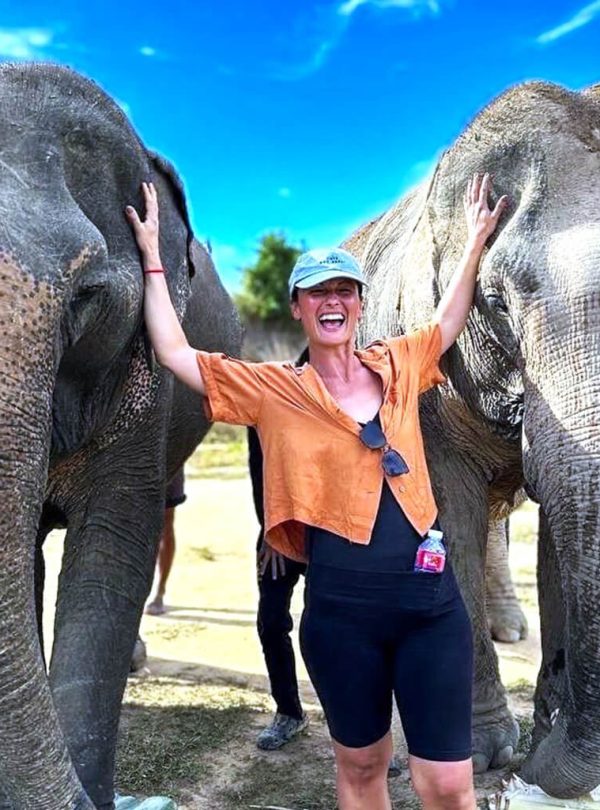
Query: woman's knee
[(443, 784), (361, 766)]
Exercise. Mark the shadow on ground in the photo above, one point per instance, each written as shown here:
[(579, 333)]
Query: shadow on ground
[(194, 740)]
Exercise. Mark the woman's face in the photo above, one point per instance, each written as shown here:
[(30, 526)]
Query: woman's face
[(329, 312)]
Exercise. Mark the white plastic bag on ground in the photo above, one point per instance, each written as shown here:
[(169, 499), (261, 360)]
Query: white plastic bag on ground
[(153, 803), (518, 795)]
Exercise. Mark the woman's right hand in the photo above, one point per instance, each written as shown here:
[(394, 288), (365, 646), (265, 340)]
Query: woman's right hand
[(269, 558), (146, 231)]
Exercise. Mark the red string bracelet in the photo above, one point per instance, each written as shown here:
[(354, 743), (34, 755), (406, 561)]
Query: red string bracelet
[(156, 270)]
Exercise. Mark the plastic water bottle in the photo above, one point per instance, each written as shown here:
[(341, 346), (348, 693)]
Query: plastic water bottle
[(431, 554)]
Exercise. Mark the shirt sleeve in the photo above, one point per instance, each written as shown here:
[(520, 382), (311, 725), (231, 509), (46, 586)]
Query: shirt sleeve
[(234, 389), (422, 349)]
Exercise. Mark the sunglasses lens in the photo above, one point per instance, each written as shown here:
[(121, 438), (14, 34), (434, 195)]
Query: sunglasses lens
[(372, 436), (393, 463)]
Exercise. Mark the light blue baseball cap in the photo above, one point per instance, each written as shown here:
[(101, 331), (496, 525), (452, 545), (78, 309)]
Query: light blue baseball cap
[(316, 266)]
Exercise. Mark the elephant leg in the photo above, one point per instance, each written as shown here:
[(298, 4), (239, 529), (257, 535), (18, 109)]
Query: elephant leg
[(462, 496), (549, 692), (506, 620), (105, 579)]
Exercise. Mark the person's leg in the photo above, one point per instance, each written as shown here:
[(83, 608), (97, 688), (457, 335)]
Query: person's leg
[(350, 666), (362, 775), (443, 785), (274, 624), (166, 555), (433, 683)]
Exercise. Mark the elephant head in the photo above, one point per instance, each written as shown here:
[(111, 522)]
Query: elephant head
[(524, 377), (75, 375)]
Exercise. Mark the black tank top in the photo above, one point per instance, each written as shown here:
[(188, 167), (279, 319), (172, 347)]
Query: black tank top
[(393, 545)]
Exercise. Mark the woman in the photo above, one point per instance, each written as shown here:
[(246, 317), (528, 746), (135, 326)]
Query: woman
[(357, 502)]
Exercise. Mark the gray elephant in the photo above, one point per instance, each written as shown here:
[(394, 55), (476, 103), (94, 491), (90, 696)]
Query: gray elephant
[(521, 405), (85, 419), (505, 617)]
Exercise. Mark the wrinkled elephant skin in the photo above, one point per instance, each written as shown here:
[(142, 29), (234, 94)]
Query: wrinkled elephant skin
[(84, 420), (521, 405)]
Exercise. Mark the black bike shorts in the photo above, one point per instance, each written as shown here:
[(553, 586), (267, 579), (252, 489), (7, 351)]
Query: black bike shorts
[(367, 638)]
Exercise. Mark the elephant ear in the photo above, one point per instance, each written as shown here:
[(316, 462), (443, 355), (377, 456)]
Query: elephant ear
[(166, 169), (399, 257)]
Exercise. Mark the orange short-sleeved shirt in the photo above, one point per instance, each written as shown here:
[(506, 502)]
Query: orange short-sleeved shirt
[(316, 470)]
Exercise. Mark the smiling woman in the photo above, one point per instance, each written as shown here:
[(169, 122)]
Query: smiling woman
[(355, 502)]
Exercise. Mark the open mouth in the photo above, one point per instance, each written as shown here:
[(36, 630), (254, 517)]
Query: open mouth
[(332, 321)]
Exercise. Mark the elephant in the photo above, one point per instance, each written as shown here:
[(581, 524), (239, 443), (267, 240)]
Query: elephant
[(505, 618), (90, 426), (520, 407)]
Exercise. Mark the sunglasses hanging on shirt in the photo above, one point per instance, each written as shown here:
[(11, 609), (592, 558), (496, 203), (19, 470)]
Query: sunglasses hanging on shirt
[(373, 437)]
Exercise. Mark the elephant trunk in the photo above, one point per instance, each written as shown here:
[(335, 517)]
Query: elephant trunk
[(562, 464), (35, 767)]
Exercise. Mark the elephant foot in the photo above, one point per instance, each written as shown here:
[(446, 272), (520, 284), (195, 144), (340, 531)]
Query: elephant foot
[(494, 743), (507, 623)]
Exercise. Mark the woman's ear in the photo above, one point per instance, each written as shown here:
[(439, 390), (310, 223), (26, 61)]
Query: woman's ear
[(295, 310)]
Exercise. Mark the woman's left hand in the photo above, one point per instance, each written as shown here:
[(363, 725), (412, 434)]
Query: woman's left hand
[(481, 220), (146, 230)]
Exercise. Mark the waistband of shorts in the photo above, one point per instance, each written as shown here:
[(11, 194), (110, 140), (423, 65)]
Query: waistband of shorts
[(397, 588)]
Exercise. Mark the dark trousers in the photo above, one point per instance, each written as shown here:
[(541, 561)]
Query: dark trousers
[(274, 623)]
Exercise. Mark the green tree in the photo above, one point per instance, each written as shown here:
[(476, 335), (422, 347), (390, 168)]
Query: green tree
[(264, 294)]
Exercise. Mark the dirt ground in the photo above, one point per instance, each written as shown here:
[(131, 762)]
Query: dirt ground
[(190, 721)]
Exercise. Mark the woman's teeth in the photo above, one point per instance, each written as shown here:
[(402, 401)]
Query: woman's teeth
[(332, 319)]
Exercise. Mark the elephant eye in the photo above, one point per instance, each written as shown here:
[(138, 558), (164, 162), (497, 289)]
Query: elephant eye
[(495, 301)]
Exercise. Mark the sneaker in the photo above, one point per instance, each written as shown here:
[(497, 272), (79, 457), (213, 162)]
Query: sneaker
[(283, 729)]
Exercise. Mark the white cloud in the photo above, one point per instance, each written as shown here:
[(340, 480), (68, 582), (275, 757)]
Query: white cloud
[(349, 6), (323, 33), (583, 17), (284, 192), (25, 43), (291, 72), (147, 50)]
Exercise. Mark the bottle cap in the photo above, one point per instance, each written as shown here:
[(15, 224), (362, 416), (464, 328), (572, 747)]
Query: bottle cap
[(435, 534)]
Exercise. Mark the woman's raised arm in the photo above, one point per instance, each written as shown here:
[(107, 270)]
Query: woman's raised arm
[(453, 310), (166, 335)]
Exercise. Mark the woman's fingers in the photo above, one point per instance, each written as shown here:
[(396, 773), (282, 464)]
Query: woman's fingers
[(475, 188), (484, 190), (500, 206), (133, 215), (151, 205), (150, 198)]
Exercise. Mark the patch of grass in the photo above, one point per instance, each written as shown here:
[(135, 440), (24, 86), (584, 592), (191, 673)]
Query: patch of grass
[(221, 433), (222, 454), (526, 727), (275, 783), (203, 553), (230, 454), (521, 688), (166, 729)]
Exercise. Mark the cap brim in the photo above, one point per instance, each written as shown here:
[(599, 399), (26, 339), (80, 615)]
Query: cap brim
[(327, 275)]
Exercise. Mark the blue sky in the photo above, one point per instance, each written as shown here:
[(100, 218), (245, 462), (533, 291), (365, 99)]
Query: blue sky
[(303, 116)]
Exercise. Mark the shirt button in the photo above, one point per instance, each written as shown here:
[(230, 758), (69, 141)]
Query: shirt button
[(401, 488)]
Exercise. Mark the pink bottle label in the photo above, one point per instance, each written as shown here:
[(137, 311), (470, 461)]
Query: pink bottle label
[(433, 561)]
